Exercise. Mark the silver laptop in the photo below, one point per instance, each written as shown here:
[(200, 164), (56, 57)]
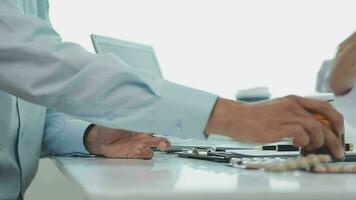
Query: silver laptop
[(134, 54)]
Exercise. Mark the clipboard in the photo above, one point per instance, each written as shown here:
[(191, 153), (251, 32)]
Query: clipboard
[(225, 155)]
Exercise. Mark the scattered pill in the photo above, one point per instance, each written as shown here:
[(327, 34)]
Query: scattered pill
[(343, 168), (346, 169), (276, 167), (334, 169), (254, 165), (313, 163), (324, 158), (354, 169), (302, 162), (312, 160), (291, 164), (320, 169)]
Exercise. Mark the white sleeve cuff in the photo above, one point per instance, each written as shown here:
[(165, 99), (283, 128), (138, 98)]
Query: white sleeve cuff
[(183, 111)]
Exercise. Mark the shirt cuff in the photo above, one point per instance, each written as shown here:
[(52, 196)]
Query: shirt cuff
[(323, 77), (183, 112), (73, 143)]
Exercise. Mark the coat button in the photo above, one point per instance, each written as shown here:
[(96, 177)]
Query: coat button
[(177, 129)]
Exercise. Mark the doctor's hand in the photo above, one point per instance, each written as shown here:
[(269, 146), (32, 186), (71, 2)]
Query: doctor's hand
[(116, 143), (272, 121), (343, 73)]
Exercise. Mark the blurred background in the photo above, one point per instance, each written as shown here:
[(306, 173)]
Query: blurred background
[(216, 45)]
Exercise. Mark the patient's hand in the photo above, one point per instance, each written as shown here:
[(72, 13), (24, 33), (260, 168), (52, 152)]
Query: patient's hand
[(116, 143), (343, 73)]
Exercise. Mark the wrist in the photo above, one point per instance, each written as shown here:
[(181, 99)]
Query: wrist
[(222, 117), (340, 86), (90, 139)]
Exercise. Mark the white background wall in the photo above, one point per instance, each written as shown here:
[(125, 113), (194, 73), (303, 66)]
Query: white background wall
[(215, 45), (220, 45)]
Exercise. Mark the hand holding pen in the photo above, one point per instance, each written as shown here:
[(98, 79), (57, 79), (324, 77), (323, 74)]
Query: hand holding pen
[(328, 147)]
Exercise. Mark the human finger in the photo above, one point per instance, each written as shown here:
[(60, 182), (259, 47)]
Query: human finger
[(164, 144), (313, 127), (333, 143), (143, 135), (326, 110), (297, 133), (146, 153), (161, 143)]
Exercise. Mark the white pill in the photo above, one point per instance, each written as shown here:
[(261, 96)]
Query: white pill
[(291, 164), (277, 167), (313, 160), (324, 158), (254, 165), (320, 169), (346, 169), (334, 169), (302, 162), (354, 169)]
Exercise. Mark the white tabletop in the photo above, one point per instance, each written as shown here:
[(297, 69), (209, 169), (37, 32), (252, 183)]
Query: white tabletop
[(169, 177)]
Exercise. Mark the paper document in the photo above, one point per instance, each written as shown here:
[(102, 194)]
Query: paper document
[(258, 153)]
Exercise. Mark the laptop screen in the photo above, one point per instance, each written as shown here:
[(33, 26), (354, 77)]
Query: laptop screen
[(134, 54)]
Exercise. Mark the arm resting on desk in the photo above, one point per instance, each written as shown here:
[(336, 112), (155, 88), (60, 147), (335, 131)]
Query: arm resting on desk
[(96, 88), (63, 135)]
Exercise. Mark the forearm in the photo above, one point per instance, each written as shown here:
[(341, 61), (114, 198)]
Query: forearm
[(220, 117), (97, 88), (343, 73)]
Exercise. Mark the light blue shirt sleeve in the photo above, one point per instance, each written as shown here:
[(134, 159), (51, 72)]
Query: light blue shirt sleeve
[(63, 135), (36, 65), (322, 81)]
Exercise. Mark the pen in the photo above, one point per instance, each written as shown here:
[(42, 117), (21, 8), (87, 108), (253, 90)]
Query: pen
[(289, 147), (349, 147), (278, 147)]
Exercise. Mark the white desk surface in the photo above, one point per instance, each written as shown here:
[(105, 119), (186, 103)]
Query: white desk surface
[(169, 177)]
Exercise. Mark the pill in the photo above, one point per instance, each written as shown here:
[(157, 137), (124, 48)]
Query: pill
[(275, 167), (346, 169), (313, 160), (302, 162), (254, 165), (324, 158), (291, 164), (268, 166), (354, 169), (320, 169), (334, 169)]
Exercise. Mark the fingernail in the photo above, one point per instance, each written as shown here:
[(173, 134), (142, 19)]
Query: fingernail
[(341, 153), (162, 145)]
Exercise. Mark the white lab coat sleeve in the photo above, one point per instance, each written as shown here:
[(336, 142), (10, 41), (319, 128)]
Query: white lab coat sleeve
[(36, 65), (63, 135), (322, 83)]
